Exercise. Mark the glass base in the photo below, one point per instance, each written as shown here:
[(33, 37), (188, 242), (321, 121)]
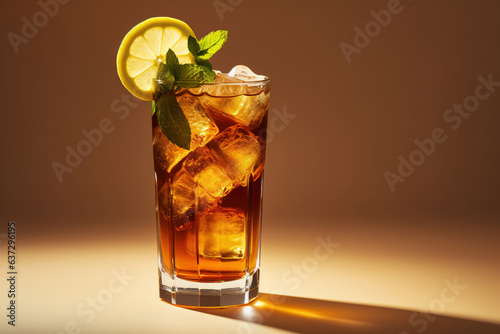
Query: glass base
[(181, 292)]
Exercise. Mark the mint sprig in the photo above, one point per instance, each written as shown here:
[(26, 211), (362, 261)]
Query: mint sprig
[(208, 45), (174, 76)]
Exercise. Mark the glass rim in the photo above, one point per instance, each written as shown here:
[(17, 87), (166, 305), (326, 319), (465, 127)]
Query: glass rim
[(244, 83)]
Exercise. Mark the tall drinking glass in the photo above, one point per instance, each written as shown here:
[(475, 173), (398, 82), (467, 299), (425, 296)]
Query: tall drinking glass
[(209, 198)]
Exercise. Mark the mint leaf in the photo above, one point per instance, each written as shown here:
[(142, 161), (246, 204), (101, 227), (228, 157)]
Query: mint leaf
[(172, 61), (209, 72), (153, 107), (207, 64), (162, 70), (211, 43), (172, 121), (191, 75), (193, 46), (167, 81), (166, 72)]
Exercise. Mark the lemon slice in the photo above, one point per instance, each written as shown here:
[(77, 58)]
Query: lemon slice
[(145, 46)]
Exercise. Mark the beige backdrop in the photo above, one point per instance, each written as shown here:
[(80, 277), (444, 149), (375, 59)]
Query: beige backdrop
[(351, 121), (344, 106)]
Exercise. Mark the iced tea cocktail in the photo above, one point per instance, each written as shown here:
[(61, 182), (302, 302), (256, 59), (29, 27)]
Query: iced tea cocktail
[(209, 145), (209, 198)]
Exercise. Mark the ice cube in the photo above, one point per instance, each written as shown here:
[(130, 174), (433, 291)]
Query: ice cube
[(202, 130), (222, 234), (226, 78), (166, 153), (174, 212), (163, 201), (246, 103), (241, 151), (244, 73), (186, 199), (231, 89), (209, 173)]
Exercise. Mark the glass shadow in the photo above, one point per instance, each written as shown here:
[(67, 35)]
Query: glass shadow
[(307, 315)]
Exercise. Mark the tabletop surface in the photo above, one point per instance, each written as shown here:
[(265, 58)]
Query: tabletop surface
[(318, 281)]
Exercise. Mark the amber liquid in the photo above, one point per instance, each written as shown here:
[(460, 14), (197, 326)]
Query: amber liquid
[(179, 249)]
